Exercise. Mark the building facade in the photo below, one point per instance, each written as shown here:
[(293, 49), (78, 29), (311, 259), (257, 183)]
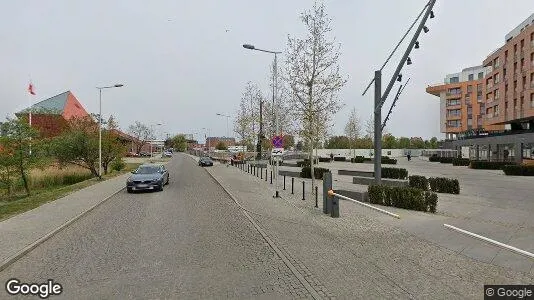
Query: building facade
[(213, 141), (509, 91), (462, 103)]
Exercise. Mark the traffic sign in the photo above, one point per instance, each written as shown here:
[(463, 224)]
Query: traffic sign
[(278, 141), (277, 152)]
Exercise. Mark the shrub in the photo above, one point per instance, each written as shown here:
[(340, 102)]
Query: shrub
[(394, 173), (324, 159), (444, 185), (367, 159), (446, 160), (357, 159), (118, 164), (434, 158), (303, 163), (388, 161), (461, 162), (488, 165), (339, 158), (403, 197), (306, 172), (419, 182), (518, 170), (75, 178)]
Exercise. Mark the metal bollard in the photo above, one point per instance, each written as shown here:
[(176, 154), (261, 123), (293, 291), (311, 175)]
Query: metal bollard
[(284, 182), (327, 186), (303, 188), (271, 177), (292, 185), (335, 207), (265, 173), (316, 196), (261, 173)]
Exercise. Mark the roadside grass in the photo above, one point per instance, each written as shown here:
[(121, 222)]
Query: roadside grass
[(49, 185)]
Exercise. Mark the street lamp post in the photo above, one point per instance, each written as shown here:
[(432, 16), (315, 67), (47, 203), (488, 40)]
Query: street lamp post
[(276, 113), (100, 124), (227, 118), (152, 142), (207, 140)]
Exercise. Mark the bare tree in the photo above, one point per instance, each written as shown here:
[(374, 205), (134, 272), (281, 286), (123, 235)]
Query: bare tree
[(353, 128), (312, 73), (142, 134), (370, 127), (247, 119)]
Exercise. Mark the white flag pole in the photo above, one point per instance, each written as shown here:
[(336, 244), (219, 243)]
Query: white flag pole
[(30, 90)]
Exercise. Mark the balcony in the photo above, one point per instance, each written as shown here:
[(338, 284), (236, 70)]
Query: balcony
[(453, 95)]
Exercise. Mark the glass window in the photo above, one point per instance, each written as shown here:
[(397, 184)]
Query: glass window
[(469, 88), (471, 77), (454, 79), (480, 75)]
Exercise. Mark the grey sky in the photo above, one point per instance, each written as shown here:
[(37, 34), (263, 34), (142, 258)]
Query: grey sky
[(180, 66)]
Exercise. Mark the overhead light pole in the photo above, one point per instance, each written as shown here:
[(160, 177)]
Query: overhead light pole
[(207, 134), (380, 98), (275, 104), (227, 118), (100, 124)]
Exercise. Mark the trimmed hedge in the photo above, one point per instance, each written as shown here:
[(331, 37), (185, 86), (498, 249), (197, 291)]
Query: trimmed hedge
[(518, 170), (419, 182), (434, 158), (306, 172), (394, 173), (446, 160), (461, 162), (489, 165), (324, 159), (302, 163), (357, 159), (388, 161), (403, 197), (340, 158), (444, 185)]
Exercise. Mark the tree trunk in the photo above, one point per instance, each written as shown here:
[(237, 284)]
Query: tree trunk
[(24, 178)]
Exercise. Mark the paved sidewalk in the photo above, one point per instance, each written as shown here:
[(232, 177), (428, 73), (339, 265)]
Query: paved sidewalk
[(361, 254), (21, 231)]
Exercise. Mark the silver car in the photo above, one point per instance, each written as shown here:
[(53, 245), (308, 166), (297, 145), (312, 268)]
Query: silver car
[(148, 177)]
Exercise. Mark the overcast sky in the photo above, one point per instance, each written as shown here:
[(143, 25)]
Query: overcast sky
[(182, 62)]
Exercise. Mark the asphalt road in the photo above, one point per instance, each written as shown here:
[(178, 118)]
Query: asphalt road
[(188, 242)]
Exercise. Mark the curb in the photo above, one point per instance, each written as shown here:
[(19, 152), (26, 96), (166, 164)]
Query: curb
[(314, 294), (6, 263)]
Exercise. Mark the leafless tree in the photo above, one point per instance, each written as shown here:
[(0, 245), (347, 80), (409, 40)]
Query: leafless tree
[(142, 134), (312, 73), (247, 120), (353, 128)]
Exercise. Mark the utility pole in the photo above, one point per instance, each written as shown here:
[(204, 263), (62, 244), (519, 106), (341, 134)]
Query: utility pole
[(260, 135)]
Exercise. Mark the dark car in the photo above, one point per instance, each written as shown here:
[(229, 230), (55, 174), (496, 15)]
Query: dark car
[(205, 161), (148, 177)]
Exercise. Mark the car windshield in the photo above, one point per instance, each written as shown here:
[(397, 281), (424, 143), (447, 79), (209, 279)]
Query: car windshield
[(147, 170)]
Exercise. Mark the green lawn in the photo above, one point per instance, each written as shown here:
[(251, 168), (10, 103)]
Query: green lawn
[(16, 204)]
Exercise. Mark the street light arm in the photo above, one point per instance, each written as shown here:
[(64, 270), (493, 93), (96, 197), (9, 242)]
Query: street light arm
[(405, 56), (396, 47)]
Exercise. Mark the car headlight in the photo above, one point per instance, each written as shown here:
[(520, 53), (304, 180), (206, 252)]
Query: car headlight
[(129, 180)]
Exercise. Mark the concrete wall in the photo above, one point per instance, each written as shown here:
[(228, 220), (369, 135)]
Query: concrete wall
[(367, 152)]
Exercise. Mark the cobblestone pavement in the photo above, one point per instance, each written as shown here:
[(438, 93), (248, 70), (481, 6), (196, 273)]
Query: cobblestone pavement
[(358, 256), (188, 242)]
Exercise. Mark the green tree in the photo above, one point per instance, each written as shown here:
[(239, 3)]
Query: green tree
[(112, 148), (78, 145), (434, 143), (404, 143), (221, 146), (338, 142), (389, 141), (20, 152), (289, 141), (179, 143), (417, 143)]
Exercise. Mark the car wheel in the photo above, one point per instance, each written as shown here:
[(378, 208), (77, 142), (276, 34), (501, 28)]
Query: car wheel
[(166, 183), (129, 190), (160, 187)]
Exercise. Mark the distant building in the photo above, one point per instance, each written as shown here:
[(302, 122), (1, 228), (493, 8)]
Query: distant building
[(213, 141), (50, 116)]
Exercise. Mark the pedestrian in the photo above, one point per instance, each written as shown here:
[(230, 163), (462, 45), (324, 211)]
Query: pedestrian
[(331, 157), (409, 157)]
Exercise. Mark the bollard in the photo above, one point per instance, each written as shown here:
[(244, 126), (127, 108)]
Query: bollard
[(265, 173), (335, 207), (316, 196), (271, 177), (303, 188), (292, 185), (284, 182), (327, 185), (261, 173), (254, 170)]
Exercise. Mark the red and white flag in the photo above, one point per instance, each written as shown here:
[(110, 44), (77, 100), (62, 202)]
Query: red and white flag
[(30, 89)]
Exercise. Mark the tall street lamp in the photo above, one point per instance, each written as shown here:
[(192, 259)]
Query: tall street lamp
[(100, 124), (227, 118), (207, 138), (155, 137), (275, 106)]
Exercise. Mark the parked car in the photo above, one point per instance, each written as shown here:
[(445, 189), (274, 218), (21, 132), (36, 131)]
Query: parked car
[(144, 154), (205, 161), (166, 154), (132, 154), (148, 177)]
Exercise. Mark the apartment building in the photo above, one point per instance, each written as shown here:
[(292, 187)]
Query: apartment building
[(462, 102), (509, 91)]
